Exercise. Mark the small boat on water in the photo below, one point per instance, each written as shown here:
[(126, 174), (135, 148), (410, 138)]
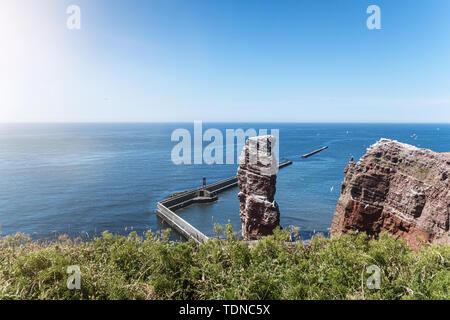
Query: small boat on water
[(307, 155)]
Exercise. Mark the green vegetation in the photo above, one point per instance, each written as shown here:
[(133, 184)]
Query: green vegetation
[(153, 267)]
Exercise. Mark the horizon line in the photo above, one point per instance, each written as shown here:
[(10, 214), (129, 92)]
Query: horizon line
[(176, 122)]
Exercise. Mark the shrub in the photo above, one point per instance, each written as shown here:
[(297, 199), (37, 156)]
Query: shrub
[(153, 267)]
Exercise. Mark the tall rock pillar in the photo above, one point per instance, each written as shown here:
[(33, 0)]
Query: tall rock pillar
[(257, 178)]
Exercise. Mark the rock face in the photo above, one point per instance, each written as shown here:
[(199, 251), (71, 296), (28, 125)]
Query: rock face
[(399, 189), (257, 179)]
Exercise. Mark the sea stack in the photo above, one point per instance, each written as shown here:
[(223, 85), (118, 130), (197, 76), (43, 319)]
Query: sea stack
[(257, 178), (396, 188)]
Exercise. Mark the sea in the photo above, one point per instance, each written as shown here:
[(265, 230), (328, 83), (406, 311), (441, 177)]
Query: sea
[(81, 179)]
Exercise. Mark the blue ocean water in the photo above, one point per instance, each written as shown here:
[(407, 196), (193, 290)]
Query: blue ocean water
[(82, 179)]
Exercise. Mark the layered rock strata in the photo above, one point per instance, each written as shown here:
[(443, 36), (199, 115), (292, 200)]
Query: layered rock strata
[(396, 188), (257, 178)]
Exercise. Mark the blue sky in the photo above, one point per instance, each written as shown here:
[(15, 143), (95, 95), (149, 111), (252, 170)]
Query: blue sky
[(233, 60)]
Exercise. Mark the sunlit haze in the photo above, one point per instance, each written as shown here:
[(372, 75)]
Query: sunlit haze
[(248, 61)]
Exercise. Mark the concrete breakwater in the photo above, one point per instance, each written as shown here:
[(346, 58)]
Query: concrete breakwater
[(208, 193), (307, 155)]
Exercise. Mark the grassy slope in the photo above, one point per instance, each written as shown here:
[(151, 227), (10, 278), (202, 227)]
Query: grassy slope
[(114, 267)]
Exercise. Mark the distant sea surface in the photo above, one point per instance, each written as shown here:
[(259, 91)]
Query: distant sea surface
[(82, 179)]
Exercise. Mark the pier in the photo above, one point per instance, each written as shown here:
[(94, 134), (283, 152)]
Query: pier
[(207, 193), (307, 155)]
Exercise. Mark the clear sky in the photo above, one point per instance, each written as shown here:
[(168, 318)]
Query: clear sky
[(224, 60)]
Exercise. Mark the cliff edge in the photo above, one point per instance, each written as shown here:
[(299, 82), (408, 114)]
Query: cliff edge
[(396, 188)]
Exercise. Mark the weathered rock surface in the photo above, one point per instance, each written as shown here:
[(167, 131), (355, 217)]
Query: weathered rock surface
[(399, 189), (257, 178)]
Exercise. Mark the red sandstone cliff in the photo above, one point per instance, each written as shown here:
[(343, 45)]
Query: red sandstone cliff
[(396, 188), (257, 178)]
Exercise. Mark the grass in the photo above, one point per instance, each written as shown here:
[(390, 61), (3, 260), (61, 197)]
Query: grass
[(153, 267)]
